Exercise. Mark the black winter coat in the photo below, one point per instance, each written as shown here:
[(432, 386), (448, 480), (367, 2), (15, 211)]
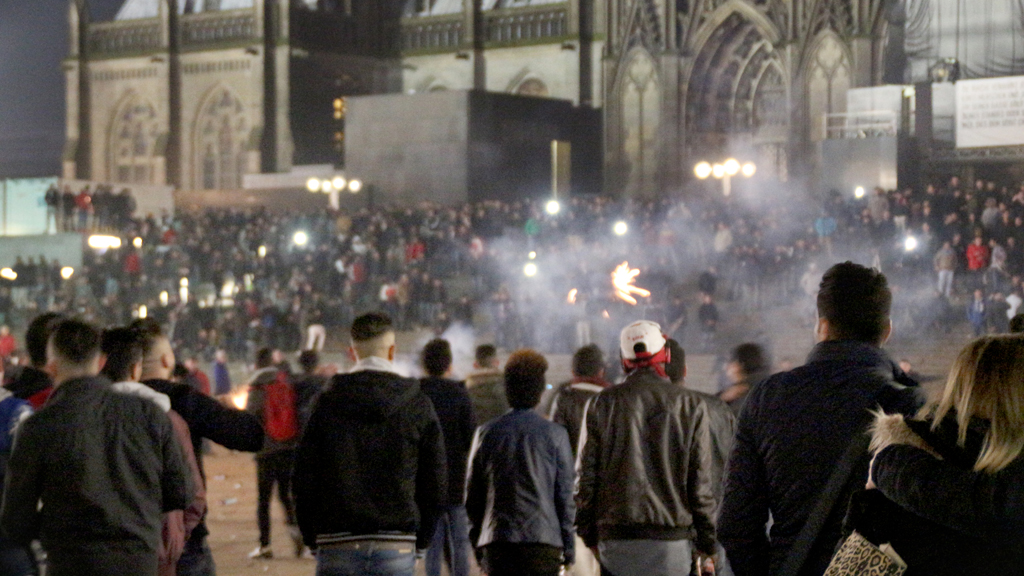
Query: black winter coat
[(371, 462), (793, 431), (455, 413)]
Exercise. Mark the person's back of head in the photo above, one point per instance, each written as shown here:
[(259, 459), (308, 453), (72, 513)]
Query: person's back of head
[(308, 361), (486, 356), (373, 335), (157, 355), (985, 383), (524, 378), (642, 345), (73, 350), (437, 357), (1017, 324), (751, 359), (38, 335), (264, 358), (588, 362), (675, 368), (122, 349), (853, 304)]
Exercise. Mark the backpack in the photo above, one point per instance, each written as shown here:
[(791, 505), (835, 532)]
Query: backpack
[(279, 418)]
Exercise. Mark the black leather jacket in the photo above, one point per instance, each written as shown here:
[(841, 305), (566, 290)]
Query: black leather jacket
[(634, 433)]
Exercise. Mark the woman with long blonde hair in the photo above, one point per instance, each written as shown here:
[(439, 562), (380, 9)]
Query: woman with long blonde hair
[(936, 475)]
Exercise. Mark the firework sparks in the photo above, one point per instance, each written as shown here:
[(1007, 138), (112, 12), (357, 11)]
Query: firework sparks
[(623, 278), (572, 296)]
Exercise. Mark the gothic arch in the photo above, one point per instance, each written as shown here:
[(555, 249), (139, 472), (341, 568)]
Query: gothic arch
[(132, 141), (219, 140), (639, 91), (706, 28), (526, 83), (828, 74)]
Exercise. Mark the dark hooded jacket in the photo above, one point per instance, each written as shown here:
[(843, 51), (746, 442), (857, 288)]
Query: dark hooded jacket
[(371, 463)]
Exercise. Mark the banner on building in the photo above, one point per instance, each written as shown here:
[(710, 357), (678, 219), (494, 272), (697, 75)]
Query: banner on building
[(990, 112)]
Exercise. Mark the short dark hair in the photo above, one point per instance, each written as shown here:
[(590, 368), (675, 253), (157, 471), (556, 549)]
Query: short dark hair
[(148, 330), (675, 368), (370, 326), (856, 301), (437, 357), (123, 348), (588, 361), (76, 341), (524, 378), (1017, 324), (264, 358), (308, 360), (751, 358), (38, 335), (485, 353)]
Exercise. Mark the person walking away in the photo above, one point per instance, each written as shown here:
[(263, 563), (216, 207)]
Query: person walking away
[(486, 385), (94, 512), (974, 428), (781, 465), (32, 383), (722, 426), (645, 493), (567, 408), (221, 374), (206, 419), (455, 413), (16, 558), (309, 385), (748, 366), (122, 365), (370, 476), (272, 401), (519, 491)]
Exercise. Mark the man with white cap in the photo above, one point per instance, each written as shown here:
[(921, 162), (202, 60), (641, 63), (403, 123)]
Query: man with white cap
[(645, 502)]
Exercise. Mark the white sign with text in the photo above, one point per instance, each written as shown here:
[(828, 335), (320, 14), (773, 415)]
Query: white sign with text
[(990, 112)]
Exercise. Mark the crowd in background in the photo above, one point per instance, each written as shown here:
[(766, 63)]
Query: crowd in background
[(237, 280)]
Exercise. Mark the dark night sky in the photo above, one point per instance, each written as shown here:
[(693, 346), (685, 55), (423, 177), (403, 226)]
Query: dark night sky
[(33, 41)]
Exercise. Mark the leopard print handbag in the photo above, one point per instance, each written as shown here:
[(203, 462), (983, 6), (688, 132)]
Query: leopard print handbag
[(857, 556)]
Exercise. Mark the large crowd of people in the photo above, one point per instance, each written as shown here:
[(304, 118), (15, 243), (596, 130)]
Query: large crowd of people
[(103, 456)]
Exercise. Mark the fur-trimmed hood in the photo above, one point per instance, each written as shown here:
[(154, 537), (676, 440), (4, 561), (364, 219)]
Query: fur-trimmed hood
[(891, 429)]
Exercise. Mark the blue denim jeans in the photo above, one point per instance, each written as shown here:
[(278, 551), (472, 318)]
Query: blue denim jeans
[(450, 543), (366, 562)]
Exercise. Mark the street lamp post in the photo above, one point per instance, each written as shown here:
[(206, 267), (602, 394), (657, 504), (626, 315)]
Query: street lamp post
[(724, 172)]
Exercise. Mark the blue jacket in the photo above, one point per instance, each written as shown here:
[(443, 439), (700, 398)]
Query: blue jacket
[(793, 431), (520, 485)]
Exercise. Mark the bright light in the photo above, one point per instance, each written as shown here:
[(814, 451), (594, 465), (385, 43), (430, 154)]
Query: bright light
[(143, 311), (326, 186), (858, 192), (553, 207), (313, 185), (732, 166), (8, 274), (572, 296), (102, 242), (240, 399), (622, 279), (702, 170), (355, 185), (530, 270), (532, 255), (164, 298), (339, 183), (67, 272), (620, 228), (137, 242), (183, 283), (749, 169), (910, 244), (718, 171), (300, 238), (261, 251), (183, 293)]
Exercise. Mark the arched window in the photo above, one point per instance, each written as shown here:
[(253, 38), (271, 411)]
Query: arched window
[(532, 87), (132, 142), (220, 141), (641, 116)]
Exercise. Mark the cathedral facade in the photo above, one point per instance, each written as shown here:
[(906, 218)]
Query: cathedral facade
[(199, 93)]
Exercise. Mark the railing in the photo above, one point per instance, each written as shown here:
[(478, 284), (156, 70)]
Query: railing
[(861, 125), (431, 34), (107, 38), (217, 28), (518, 26)]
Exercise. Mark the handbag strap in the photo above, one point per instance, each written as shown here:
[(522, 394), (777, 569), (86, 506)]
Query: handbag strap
[(841, 476)]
